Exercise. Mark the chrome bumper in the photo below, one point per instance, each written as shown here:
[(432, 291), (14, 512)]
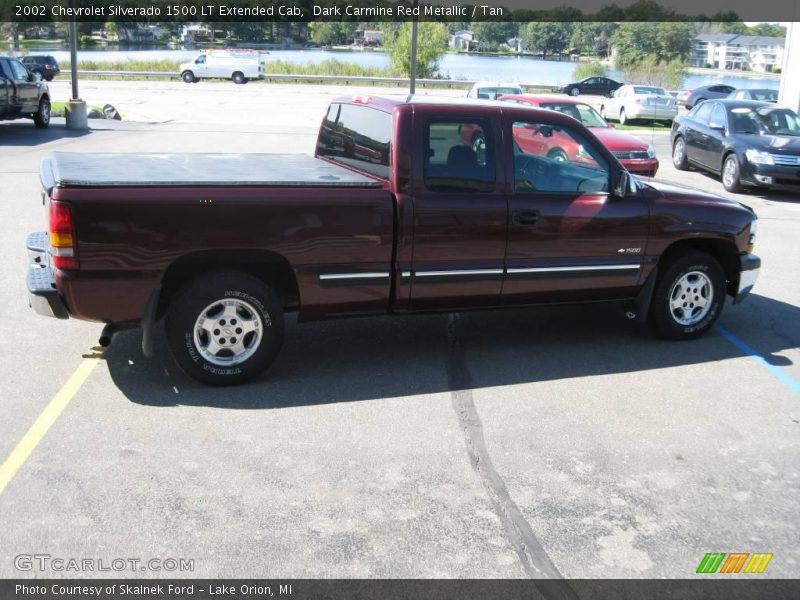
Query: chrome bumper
[(42, 294), (748, 274)]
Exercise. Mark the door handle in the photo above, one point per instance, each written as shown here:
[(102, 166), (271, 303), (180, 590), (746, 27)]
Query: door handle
[(525, 217)]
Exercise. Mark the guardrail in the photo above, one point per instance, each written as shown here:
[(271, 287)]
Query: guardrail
[(337, 79)]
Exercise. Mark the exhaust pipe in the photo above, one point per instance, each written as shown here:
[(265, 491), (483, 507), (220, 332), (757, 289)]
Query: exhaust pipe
[(109, 331)]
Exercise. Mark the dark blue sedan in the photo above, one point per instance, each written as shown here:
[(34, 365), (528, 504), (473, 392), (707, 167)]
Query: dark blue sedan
[(747, 143)]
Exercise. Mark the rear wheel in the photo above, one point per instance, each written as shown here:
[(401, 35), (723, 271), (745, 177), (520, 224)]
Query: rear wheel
[(42, 116), (557, 155), (731, 175), (188, 77), (679, 154), (239, 78), (688, 297), (225, 328)]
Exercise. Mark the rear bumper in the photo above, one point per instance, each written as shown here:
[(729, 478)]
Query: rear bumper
[(638, 111), (750, 268), (43, 296)]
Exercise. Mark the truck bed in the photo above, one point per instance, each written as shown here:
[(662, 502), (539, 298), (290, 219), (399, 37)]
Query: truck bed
[(66, 169)]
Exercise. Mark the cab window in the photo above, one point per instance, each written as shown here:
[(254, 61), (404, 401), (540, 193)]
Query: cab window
[(555, 159), (18, 70), (701, 113), (718, 117), (459, 156)]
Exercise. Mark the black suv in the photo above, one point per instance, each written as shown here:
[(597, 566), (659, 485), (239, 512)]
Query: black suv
[(22, 94), (46, 66)]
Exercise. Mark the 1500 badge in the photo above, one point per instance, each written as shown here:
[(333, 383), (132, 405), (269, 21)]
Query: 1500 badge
[(629, 251)]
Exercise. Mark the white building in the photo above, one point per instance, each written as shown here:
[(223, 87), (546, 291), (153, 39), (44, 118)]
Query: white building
[(463, 40), (737, 52)]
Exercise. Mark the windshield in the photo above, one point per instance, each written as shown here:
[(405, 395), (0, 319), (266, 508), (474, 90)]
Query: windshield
[(493, 93), (657, 91), (582, 112), (765, 95), (774, 121)]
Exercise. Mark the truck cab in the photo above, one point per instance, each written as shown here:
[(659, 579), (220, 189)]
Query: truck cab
[(22, 94)]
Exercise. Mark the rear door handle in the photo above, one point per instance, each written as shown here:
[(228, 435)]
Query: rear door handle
[(525, 217)]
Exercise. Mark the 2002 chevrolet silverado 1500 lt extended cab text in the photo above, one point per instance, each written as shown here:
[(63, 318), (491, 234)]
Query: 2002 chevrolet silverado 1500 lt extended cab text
[(398, 212)]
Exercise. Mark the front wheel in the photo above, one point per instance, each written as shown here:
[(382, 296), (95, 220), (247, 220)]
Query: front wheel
[(623, 117), (225, 328), (574, 92), (730, 174), (679, 154), (688, 297), (42, 116), (603, 111), (188, 77)]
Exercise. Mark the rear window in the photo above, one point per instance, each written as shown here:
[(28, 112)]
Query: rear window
[(357, 136), (656, 91), (493, 93)]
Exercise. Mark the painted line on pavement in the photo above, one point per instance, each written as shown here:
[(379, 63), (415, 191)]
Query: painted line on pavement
[(42, 425), (776, 372)]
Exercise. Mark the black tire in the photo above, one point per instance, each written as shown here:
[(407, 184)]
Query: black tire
[(203, 298), (679, 159), (623, 117), (188, 77), (665, 318), (239, 78), (42, 116), (603, 111), (574, 92), (732, 182), (558, 155), (49, 77)]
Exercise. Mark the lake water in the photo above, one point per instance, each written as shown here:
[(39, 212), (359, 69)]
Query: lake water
[(455, 66)]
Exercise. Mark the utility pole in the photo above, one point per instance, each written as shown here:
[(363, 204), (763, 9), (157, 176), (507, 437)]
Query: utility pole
[(414, 30), (76, 114)]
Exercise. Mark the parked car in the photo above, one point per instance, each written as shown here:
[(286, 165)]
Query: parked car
[(762, 95), (491, 90), (221, 246), (747, 143), (635, 155), (46, 66), (23, 95), (598, 86), (237, 65), (640, 102), (690, 98)]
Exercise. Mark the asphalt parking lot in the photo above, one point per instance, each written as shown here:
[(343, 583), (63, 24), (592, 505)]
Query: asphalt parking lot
[(561, 441)]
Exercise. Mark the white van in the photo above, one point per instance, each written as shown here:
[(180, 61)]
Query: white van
[(236, 65)]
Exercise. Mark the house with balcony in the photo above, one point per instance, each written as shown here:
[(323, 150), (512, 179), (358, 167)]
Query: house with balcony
[(463, 40), (737, 52)]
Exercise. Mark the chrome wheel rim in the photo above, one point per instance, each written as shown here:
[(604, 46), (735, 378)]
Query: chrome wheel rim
[(677, 153), (622, 117), (691, 298), (729, 173), (228, 332), (46, 112)]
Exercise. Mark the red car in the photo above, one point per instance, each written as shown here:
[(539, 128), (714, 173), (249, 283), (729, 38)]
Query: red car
[(635, 155)]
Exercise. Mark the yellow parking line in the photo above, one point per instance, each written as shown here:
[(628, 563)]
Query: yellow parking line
[(49, 415)]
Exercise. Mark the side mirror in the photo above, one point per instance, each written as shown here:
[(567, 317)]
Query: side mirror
[(623, 189), (720, 128), (35, 76)]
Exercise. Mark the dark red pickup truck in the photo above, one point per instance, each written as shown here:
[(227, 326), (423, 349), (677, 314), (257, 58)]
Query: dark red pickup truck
[(395, 214)]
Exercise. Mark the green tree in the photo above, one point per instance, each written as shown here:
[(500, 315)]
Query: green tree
[(431, 44), (329, 33), (650, 71), (547, 37), (494, 32), (591, 37), (768, 29), (666, 41)]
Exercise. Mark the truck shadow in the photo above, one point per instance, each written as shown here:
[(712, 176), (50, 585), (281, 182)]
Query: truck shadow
[(384, 357), (24, 133)]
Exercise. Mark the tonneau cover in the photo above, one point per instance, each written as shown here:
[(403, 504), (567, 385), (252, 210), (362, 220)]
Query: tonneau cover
[(67, 169)]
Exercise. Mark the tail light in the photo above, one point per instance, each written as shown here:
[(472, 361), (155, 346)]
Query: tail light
[(62, 236)]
